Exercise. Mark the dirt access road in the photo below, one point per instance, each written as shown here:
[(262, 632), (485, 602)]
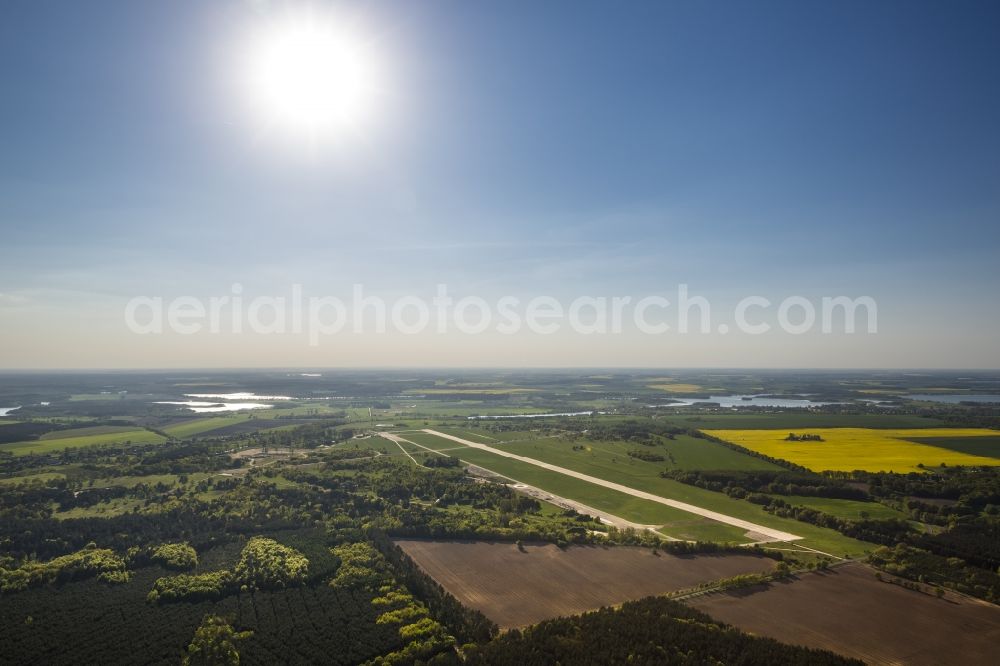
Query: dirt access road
[(767, 533)]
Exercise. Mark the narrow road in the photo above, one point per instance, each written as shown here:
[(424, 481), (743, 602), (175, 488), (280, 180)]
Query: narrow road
[(396, 440), (769, 533)]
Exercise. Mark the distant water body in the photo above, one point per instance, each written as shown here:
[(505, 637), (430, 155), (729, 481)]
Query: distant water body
[(953, 398), (238, 396), (530, 416), (4, 411), (206, 407), (748, 401)]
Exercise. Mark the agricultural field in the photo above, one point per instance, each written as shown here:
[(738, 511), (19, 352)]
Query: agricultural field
[(516, 587), (216, 426), (77, 437), (677, 388), (198, 426), (847, 610), (868, 449)]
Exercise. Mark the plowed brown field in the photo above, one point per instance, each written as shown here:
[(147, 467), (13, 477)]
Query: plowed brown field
[(847, 610), (515, 588)]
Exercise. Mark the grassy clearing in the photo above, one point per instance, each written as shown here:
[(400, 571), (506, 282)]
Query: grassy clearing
[(43, 476), (843, 508), (134, 435), (874, 450), (115, 507), (150, 480)]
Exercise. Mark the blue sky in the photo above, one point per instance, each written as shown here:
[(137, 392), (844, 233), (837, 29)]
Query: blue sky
[(564, 148)]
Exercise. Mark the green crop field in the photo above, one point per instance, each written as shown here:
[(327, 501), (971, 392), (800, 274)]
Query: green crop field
[(184, 429), (86, 432), (988, 445)]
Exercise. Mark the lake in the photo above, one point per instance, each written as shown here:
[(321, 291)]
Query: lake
[(532, 416), (748, 401), (238, 396), (206, 407)]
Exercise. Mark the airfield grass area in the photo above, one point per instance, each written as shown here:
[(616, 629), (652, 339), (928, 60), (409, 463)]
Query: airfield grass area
[(67, 439), (847, 610), (671, 522), (683, 452), (641, 476), (516, 587), (869, 449)]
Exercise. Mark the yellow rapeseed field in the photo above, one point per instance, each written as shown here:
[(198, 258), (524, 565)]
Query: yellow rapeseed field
[(870, 449)]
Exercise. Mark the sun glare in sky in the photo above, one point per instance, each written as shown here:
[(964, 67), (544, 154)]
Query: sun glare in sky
[(311, 76)]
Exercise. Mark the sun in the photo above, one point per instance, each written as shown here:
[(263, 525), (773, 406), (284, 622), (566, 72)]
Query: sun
[(311, 75)]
